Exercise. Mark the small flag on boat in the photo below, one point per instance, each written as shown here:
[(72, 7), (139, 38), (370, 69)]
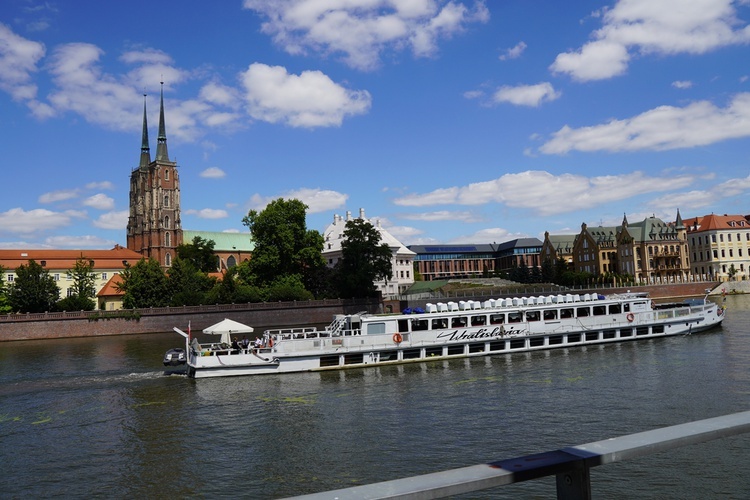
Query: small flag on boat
[(188, 330)]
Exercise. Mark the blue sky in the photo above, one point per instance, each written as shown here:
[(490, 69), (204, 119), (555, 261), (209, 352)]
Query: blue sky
[(451, 121)]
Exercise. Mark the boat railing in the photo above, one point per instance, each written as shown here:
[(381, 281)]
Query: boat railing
[(571, 466)]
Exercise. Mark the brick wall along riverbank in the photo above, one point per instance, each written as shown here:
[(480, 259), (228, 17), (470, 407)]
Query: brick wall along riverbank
[(158, 320)]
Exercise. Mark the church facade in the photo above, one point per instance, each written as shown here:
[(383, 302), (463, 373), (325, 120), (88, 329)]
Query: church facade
[(154, 227)]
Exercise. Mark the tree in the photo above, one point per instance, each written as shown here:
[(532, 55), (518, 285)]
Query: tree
[(283, 244), (145, 285), (83, 289), (200, 253), (33, 289), (4, 303), (364, 260), (187, 285), (548, 271)]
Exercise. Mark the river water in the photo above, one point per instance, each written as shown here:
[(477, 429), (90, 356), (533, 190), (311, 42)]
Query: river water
[(101, 418)]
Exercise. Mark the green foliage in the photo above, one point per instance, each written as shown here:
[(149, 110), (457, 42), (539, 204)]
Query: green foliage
[(83, 290), (187, 284), (548, 271), (4, 303), (33, 290), (364, 260), (283, 244), (286, 288), (200, 253), (145, 285)]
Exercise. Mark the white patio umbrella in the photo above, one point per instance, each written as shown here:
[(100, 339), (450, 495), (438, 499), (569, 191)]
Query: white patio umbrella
[(226, 328)]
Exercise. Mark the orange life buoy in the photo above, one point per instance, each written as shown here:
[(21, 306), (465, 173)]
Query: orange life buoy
[(397, 338), (630, 317)]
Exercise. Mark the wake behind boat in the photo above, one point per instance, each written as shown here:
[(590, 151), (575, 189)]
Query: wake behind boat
[(449, 330)]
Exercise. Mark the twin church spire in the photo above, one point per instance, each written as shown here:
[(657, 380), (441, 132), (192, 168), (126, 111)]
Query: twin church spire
[(161, 141)]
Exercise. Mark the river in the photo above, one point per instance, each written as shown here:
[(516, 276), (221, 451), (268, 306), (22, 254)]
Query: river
[(100, 417)]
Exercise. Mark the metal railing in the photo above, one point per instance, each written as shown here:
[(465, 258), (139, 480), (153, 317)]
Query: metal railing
[(571, 465)]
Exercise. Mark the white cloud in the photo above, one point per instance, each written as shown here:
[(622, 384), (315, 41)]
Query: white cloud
[(548, 194), (208, 213), (61, 195), (645, 27), (213, 173), (317, 200), (666, 127), (78, 242), (527, 95), (682, 84), (441, 215), (100, 185), (18, 59), (700, 198), (17, 220), (362, 29), (99, 202), (513, 52), (113, 220), (310, 99), (488, 235)]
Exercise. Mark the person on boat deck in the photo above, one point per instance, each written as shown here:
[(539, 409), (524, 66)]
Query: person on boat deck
[(258, 343), (245, 342), (235, 345)]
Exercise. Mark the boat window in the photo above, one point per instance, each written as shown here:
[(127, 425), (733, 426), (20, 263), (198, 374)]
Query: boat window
[(615, 309), (478, 320), (497, 319), (515, 317), (566, 313), (375, 328), (418, 325), (440, 324), (582, 312), (403, 325), (533, 316), (550, 314), (458, 322), (600, 310), (626, 307)]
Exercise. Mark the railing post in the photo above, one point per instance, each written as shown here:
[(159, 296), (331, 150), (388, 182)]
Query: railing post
[(574, 484)]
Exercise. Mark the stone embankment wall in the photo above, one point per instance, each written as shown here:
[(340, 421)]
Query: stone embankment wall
[(158, 320)]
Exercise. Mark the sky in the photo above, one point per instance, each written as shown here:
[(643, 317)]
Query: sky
[(449, 121)]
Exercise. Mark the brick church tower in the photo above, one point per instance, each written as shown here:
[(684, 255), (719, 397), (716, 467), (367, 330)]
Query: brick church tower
[(154, 226)]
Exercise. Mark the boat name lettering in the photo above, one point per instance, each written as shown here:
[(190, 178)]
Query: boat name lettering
[(482, 333)]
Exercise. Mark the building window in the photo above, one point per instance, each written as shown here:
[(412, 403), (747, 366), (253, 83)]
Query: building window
[(166, 174), (56, 277), (69, 277), (713, 238), (9, 278), (104, 276), (166, 200), (167, 240), (168, 260), (166, 222)]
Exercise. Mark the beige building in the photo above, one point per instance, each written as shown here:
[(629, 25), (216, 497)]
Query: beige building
[(401, 261), (59, 263), (655, 251), (595, 250), (558, 246), (719, 246)]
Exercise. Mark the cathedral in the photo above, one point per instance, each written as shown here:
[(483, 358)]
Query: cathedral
[(154, 228)]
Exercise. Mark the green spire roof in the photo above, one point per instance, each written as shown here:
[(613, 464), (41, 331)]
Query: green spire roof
[(161, 141), (145, 150)]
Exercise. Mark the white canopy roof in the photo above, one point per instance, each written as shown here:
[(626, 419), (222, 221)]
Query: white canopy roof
[(226, 328)]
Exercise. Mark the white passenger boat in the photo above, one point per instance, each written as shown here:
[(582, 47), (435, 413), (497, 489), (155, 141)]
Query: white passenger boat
[(451, 330)]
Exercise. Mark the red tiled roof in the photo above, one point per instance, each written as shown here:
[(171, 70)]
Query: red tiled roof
[(715, 222), (110, 289), (66, 259)]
